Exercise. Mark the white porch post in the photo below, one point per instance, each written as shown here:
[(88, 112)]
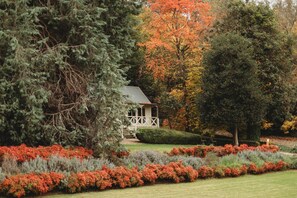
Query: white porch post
[(136, 115), (141, 118), (158, 121), (148, 115)]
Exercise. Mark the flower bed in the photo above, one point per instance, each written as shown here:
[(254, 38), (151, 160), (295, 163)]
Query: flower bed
[(202, 151), (122, 177), (118, 177), (23, 153), (84, 173)]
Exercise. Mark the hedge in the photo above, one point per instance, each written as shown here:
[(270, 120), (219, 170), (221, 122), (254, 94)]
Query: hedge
[(218, 141), (167, 136)]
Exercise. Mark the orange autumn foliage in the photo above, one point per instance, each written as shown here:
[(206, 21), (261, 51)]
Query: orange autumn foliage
[(174, 32), (173, 28)]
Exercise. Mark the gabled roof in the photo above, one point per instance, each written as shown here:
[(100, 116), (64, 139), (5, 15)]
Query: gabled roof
[(135, 95)]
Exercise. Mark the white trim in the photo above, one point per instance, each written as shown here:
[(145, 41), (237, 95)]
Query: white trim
[(143, 121)]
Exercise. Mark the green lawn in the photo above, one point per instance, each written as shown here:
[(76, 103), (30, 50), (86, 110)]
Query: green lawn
[(272, 185), (155, 147)]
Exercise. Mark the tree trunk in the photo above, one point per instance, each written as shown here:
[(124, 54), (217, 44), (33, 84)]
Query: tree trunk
[(235, 136), (187, 111)]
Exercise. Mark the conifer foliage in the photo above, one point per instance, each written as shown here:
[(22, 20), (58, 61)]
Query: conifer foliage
[(61, 71)]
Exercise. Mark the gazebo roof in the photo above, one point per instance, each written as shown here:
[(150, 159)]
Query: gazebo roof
[(135, 95)]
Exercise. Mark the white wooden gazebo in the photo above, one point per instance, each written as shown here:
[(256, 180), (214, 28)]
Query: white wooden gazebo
[(146, 113)]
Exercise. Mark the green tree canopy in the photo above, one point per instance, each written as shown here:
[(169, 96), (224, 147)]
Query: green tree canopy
[(231, 95), (272, 53)]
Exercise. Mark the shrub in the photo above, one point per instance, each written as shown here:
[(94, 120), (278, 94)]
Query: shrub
[(78, 182), (173, 171), (252, 157), (293, 163), (205, 172), (266, 167), (120, 152), (37, 165), (223, 171), (167, 136), (60, 164), (194, 162), (211, 159), (202, 151), (123, 177), (235, 172), (64, 165), (294, 149), (2, 175), (259, 158), (219, 172), (254, 162), (21, 185), (9, 165), (142, 158), (288, 149), (221, 141), (150, 173), (176, 172), (232, 161), (23, 153)]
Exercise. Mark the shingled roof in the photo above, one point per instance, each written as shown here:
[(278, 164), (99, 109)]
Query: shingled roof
[(135, 95)]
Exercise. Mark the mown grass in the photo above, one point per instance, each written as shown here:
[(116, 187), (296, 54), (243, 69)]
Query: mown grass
[(272, 185), (154, 147)]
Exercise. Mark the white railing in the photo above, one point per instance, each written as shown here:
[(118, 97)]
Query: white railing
[(143, 121)]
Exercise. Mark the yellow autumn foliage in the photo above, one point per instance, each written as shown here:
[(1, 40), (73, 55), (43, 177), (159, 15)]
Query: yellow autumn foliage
[(266, 125), (290, 125)]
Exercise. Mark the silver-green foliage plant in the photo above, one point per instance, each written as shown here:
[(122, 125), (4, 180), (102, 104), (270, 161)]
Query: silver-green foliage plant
[(2, 175), (142, 158), (259, 158), (195, 162), (64, 165), (233, 161)]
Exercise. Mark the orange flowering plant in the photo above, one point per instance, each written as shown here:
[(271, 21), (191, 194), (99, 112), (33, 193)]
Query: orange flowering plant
[(23, 153), (202, 151)]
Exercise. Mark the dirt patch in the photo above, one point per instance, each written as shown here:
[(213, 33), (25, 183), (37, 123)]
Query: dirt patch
[(131, 141)]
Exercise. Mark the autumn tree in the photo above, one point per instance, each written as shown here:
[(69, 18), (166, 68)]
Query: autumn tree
[(174, 32), (286, 12), (231, 95)]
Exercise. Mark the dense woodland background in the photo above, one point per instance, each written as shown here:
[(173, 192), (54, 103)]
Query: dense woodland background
[(208, 64)]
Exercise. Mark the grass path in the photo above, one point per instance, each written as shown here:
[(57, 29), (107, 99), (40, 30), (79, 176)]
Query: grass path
[(271, 185), (154, 147)]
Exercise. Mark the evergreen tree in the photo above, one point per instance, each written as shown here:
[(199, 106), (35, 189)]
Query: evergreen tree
[(231, 95), (22, 94), (81, 46)]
